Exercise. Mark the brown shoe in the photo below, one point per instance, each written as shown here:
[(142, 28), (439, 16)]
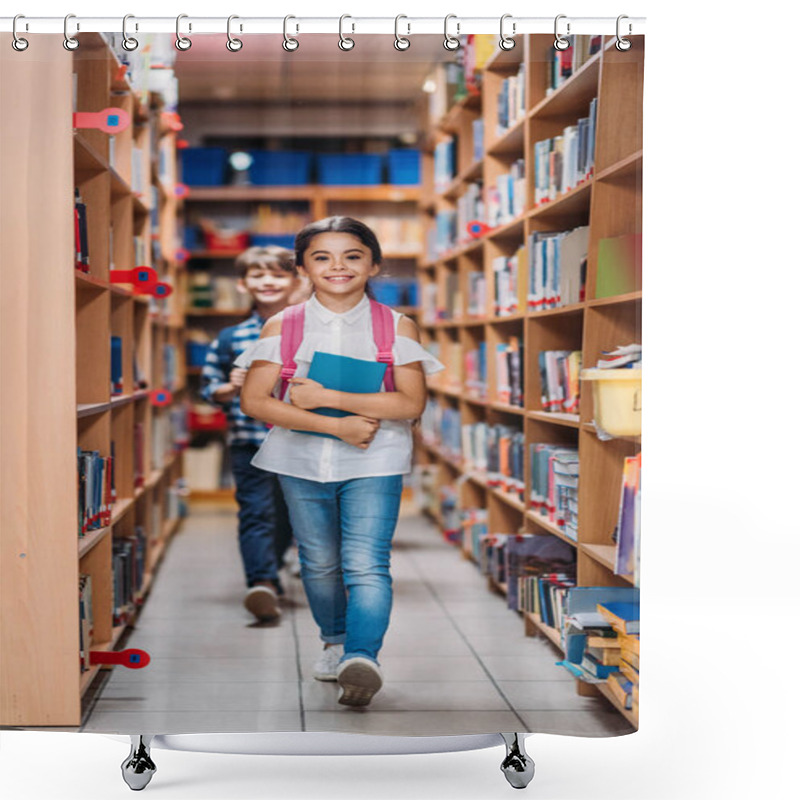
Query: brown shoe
[(262, 603)]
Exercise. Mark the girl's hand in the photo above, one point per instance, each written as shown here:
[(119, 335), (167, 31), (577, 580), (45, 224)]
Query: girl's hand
[(307, 394), (358, 431)]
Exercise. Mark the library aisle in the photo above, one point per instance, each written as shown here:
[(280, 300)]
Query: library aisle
[(454, 655)]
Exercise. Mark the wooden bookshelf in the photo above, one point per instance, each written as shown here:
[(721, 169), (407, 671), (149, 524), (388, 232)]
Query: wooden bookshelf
[(608, 201), (63, 320)]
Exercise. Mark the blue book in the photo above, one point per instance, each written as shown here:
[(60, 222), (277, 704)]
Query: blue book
[(344, 374)]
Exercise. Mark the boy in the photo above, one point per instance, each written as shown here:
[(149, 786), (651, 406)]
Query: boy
[(269, 276)]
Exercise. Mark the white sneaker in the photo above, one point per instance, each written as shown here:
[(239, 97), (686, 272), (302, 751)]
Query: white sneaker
[(325, 668), (360, 679)]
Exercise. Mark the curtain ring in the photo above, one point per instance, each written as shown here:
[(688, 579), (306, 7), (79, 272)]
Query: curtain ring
[(451, 42), (290, 44), (506, 42), (183, 43), (70, 42), (561, 43), (400, 42), (345, 43), (623, 44), (234, 45), (18, 43), (128, 42)]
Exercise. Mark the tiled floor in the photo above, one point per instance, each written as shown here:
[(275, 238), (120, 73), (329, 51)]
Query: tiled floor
[(455, 659)]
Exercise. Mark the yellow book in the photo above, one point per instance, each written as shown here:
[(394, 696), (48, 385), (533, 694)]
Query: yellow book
[(629, 672), (485, 45), (606, 642), (630, 657), (630, 641)]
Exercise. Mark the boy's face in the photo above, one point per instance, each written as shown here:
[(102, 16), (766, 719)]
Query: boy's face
[(268, 285)]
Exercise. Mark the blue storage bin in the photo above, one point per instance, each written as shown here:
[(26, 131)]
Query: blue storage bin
[(350, 169), (387, 291), (192, 237), (280, 168), (196, 353), (404, 167), (204, 166), (266, 239)]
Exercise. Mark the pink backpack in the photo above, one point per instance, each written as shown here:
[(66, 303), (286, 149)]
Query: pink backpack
[(292, 335)]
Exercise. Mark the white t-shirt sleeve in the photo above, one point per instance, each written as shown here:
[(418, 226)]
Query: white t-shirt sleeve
[(266, 349), (407, 351)]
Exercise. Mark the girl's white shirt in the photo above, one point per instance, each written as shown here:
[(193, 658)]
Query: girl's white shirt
[(320, 458)]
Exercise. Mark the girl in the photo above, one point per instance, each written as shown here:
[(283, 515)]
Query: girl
[(343, 493)]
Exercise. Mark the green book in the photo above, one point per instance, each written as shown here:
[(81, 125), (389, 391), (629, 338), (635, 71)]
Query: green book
[(619, 265)]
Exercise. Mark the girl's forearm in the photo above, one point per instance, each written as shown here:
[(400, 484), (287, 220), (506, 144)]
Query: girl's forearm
[(378, 405), (285, 415)]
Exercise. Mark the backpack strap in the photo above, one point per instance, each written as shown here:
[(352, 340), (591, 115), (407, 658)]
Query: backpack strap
[(292, 324), (383, 333)]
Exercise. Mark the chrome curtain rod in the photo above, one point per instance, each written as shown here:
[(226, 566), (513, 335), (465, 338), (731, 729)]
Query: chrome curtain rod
[(408, 26)]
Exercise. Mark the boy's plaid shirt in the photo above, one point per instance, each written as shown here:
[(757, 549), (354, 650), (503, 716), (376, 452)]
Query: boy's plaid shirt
[(230, 344)]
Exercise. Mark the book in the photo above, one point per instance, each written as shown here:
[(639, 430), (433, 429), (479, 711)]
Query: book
[(116, 365), (628, 530), (619, 265), (624, 617), (344, 374)]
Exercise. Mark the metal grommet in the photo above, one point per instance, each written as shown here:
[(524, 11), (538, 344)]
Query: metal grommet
[(345, 43), (623, 44), (70, 42), (400, 42), (128, 42), (561, 43), (290, 44), (18, 43), (451, 42), (182, 42), (234, 45), (506, 42)]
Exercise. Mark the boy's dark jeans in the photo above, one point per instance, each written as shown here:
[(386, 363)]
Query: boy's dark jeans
[(265, 532)]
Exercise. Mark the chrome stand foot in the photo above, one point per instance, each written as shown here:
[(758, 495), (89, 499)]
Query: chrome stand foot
[(138, 768), (518, 766)]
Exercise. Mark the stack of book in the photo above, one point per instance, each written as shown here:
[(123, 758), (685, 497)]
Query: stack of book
[(628, 531), (470, 208), (563, 162), (491, 557), (511, 101), (445, 166), (277, 220), (532, 562), (565, 63), (474, 447), (474, 526), (450, 513), (628, 356), (557, 268), (478, 137), (475, 377), (624, 620), (95, 490), (546, 596), (441, 427), (86, 616), (506, 199), (509, 371), (559, 373), (554, 485), (444, 235), (505, 461), (116, 365), (477, 301), (453, 301), (128, 574), (81, 234), (505, 270)]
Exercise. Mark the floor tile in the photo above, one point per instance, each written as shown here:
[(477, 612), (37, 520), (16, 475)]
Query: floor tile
[(440, 723)]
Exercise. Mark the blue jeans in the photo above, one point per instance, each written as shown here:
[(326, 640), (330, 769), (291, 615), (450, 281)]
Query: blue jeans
[(264, 529), (344, 535)]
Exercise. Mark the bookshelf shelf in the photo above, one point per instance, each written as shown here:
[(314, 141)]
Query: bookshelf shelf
[(552, 634), (606, 202), (84, 312), (238, 194), (555, 417), (545, 523)]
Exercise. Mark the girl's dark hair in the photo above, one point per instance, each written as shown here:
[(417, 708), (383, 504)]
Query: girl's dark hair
[(354, 227)]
